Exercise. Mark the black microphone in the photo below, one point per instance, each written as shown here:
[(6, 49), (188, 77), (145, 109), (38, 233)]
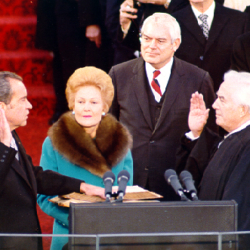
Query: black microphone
[(122, 179), (108, 179), (172, 179), (188, 182)]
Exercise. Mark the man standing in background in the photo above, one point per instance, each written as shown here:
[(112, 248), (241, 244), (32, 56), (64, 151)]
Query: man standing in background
[(152, 96)]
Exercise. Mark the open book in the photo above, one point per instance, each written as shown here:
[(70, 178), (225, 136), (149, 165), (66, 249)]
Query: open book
[(133, 194)]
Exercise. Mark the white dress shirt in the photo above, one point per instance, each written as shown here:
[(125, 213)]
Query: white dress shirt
[(13, 145), (209, 12)]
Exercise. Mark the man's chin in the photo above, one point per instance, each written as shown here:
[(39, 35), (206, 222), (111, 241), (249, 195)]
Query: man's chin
[(150, 60), (23, 124), (217, 121)]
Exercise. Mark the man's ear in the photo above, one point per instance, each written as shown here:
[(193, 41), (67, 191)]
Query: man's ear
[(176, 44), (3, 105), (243, 110)]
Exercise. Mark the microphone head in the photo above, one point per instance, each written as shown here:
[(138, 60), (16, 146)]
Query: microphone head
[(122, 179), (109, 175), (123, 174), (187, 180), (169, 174), (172, 179), (185, 174)]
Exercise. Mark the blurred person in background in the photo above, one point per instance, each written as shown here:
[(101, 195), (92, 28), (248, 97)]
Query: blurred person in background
[(75, 32)]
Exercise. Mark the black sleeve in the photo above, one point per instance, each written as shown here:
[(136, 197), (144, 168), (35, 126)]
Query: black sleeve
[(52, 183), (195, 156), (89, 12), (183, 153)]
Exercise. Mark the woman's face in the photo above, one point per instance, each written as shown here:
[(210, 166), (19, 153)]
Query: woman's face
[(88, 108)]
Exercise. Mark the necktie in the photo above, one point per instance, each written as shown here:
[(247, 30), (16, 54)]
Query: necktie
[(155, 84), (204, 25)]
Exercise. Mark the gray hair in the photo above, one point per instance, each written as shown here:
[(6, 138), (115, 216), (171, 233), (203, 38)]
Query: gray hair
[(165, 20), (239, 83), (5, 88)]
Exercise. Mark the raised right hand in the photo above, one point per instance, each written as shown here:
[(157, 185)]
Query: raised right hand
[(5, 133), (198, 114)]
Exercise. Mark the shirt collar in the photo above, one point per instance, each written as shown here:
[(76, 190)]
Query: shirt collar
[(243, 126), (166, 69), (209, 12), (163, 78)]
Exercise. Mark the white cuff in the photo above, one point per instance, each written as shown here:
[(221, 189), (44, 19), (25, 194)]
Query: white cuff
[(191, 136)]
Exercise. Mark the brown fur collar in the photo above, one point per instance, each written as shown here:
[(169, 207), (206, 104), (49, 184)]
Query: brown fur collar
[(97, 156)]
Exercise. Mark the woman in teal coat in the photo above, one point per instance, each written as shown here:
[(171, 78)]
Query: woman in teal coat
[(85, 142)]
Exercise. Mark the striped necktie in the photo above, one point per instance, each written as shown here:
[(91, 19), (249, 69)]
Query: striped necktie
[(204, 25), (155, 84)]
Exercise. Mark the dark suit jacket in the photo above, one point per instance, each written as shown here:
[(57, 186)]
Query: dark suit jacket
[(247, 10), (20, 183), (214, 54), (154, 147), (241, 53)]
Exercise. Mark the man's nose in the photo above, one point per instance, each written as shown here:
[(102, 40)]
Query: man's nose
[(153, 43), (29, 105), (215, 104)]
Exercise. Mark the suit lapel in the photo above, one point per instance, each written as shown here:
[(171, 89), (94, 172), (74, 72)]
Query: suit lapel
[(174, 84), (219, 21), (20, 170), (176, 5), (189, 20), (29, 175), (140, 79)]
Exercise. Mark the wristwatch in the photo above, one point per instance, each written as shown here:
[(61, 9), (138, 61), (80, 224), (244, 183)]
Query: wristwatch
[(167, 3)]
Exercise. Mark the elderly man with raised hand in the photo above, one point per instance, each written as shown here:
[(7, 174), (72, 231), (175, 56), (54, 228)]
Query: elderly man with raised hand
[(221, 166), (20, 181), (152, 96)]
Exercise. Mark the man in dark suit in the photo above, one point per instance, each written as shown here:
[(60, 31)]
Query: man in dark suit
[(209, 43), (20, 180), (221, 166), (157, 116), (241, 53)]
